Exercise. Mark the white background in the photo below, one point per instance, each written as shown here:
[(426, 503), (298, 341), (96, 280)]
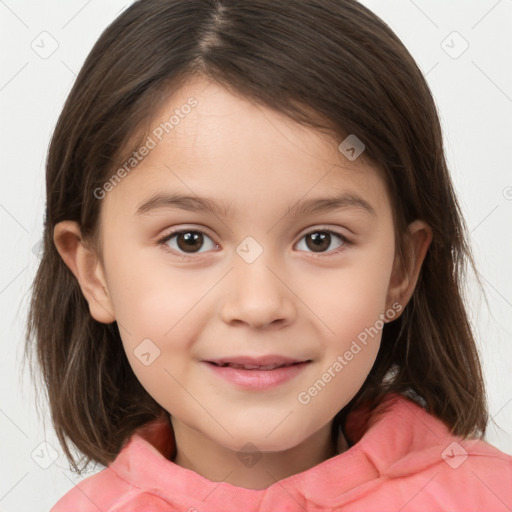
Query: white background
[(474, 97)]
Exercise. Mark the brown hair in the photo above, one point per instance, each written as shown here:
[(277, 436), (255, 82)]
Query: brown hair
[(329, 64)]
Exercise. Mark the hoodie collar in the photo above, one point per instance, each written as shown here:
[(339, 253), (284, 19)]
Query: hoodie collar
[(383, 439)]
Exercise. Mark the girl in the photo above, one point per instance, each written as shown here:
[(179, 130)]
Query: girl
[(251, 290)]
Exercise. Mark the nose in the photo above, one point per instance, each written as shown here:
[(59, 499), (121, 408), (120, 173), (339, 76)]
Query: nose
[(257, 296)]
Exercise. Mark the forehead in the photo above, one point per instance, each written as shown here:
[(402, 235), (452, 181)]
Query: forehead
[(205, 140)]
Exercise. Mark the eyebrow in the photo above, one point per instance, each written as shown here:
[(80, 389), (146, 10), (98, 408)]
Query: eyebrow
[(344, 201), (191, 203), (195, 203)]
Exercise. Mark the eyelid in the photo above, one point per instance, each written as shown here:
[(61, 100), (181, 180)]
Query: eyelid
[(162, 241), (346, 241), (323, 228)]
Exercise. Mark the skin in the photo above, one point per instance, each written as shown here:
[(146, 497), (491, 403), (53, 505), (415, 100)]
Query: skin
[(211, 303)]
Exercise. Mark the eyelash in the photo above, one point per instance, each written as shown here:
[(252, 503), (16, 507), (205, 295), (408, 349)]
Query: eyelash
[(163, 242)]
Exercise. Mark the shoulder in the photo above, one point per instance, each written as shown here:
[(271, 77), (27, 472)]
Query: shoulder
[(432, 467), (105, 491), (127, 484), (455, 474), (96, 492)]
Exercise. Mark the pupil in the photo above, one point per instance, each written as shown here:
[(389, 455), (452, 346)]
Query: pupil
[(320, 240), (193, 240)]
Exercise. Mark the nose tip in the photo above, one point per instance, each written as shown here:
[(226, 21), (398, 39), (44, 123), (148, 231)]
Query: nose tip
[(257, 297)]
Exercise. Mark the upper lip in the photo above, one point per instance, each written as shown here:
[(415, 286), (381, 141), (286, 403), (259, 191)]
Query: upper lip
[(257, 361)]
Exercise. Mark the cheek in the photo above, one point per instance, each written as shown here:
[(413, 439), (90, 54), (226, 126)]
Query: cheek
[(160, 312), (349, 300), (161, 321), (151, 299), (352, 309)]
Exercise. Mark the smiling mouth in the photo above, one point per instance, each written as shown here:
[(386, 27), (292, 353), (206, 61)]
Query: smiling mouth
[(257, 367)]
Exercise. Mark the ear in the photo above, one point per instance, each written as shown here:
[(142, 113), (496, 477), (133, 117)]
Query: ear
[(86, 267), (405, 274)]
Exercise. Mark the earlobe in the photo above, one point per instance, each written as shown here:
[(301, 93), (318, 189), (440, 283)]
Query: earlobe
[(405, 273), (87, 269)]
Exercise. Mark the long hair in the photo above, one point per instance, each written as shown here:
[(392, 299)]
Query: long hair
[(331, 65)]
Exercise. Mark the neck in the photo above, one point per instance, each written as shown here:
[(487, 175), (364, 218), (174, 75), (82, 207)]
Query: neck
[(250, 470)]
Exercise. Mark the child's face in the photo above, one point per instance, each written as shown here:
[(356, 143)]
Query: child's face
[(221, 299)]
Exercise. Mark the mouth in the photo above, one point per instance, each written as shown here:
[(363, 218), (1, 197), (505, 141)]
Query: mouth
[(257, 367), (257, 377)]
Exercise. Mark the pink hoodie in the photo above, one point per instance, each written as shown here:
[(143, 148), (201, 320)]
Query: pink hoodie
[(403, 460)]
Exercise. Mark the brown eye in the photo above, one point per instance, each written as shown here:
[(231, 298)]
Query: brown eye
[(322, 241), (188, 242), (318, 242)]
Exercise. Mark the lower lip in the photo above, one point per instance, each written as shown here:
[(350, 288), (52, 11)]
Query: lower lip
[(258, 379)]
